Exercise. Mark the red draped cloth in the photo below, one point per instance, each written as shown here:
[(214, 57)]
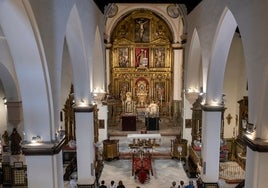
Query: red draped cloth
[(141, 168)]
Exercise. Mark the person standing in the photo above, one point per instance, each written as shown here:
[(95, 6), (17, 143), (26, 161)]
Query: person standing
[(120, 184), (15, 142), (102, 184), (173, 184), (191, 184), (181, 184), (112, 184)]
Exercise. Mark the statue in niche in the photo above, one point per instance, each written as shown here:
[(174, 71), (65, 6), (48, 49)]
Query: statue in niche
[(142, 93), (123, 57), (128, 104), (153, 109), (160, 91), (160, 57), (15, 142), (123, 91)]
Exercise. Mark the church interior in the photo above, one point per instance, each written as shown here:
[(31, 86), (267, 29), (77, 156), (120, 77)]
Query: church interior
[(146, 92)]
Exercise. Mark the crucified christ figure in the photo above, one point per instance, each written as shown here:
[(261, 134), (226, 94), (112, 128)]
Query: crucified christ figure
[(141, 23)]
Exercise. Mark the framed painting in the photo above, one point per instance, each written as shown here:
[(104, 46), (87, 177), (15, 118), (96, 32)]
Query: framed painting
[(101, 124), (160, 91), (124, 87), (188, 123), (142, 30), (159, 57), (142, 57), (123, 57)]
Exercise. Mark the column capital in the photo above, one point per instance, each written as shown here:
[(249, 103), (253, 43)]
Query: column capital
[(176, 46), (254, 143), (108, 45), (213, 108), (42, 148), (89, 108)]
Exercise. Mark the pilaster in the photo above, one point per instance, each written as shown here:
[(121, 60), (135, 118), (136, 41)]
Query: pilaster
[(211, 129), (85, 145)]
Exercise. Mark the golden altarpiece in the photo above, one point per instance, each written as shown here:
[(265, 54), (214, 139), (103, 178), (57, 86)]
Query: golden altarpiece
[(141, 62)]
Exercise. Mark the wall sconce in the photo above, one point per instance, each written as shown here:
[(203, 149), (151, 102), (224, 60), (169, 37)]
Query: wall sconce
[(36, 139), (5, 100), (82, 103), (192, 94), (98, 94), (251, 127)]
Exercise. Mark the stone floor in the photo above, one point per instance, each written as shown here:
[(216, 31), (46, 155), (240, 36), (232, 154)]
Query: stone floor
[(166, 170)]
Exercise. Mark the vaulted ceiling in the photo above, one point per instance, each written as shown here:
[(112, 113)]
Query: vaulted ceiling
[(190, 4)]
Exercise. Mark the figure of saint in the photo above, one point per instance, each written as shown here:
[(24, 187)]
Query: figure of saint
[(129, 104), (153, 109), (141, 29), (159, 58), (142, 59), (15, 142), (5, 138)]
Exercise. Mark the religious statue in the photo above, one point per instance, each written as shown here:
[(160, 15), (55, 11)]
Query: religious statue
[(142, 58), (142, 93), (5, 138), (15, 142), (153, 109), (159, 57), (128, 104), (141, 29)]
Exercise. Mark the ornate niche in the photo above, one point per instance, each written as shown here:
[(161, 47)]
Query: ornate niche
[(141, 50)]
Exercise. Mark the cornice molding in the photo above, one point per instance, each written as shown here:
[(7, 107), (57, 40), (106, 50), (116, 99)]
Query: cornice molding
[(43, 148), (89, 108), (255, 144), (211, 108)]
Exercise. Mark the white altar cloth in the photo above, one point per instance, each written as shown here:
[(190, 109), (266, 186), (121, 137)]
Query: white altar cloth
[(144, 136)]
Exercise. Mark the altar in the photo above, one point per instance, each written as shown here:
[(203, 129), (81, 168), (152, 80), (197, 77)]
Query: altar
[(129, 122), (144, 136)]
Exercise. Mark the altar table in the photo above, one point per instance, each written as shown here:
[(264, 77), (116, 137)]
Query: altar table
[(144, 136)]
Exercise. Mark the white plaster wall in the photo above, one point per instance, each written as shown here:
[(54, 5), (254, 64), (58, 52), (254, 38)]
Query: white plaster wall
[(234, 85), (103, 114), (3, 112)]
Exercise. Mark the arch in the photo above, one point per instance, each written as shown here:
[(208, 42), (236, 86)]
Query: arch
[(9, 84), (175, 25), (98, 67), (193, 65), (80, 66), (28, 63), (220, 49)]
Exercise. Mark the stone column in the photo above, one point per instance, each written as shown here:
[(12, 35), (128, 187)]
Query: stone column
[(256, 161), (211, 128), (84, 119), (177, 84), (44, 164), (108, 54)]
